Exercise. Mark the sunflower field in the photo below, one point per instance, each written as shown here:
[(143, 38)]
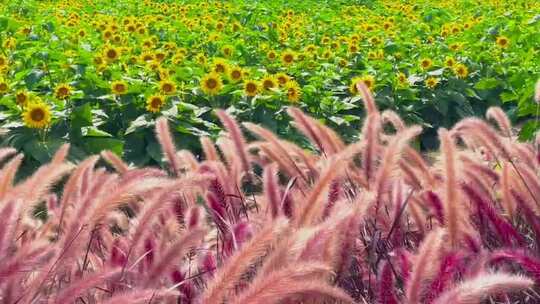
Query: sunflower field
[(97, 73)]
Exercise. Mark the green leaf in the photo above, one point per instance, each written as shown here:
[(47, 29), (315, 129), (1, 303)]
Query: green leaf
[(508, 96), (42, 151), (33, 78), (487, 83), (95, 145), (528, 130), (94, 132)]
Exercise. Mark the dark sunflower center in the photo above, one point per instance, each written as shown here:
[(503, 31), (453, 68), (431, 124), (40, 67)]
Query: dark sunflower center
[(156, 102), (167, 87), (21, 98), (236, 74), (251, 87), (268, 84), (211, 83), (37, 114), (120, 87), (63, 91), (288, 58), (220, 68), (111, 54), (3, 86)]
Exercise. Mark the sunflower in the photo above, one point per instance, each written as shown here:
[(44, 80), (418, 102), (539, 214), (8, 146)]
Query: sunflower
[(271, 55), (167, 87), (426, 63), (287, 57), (37, 115), (461, 71), (269, 82), (352, 48), (455, 46), (4, 87), (147, 56), (111, 53), (402, 79), (62, 91), (160, 55), (154, 103), (293, 91), (3, 61), (502, 42), (368, 80), (201, 59), (211, 83), (236, 74), (251, 87), (119, 87), (227, 50), (22, 98), (220, 66), (282, 78), (449, 62), (432, 82)]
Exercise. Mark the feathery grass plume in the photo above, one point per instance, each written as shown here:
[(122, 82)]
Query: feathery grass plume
[(209, 150), (498, 115), (60, 154), (276, 145), (8, 214), (526, 260), (530, 180), (173, 253), (369, 101), (389, 116), (232, 159), (330, 136), (434, 202), (189, 161), (530, 216), (390, 159), (231, 271), (305, 127), (474, 290), (386, 288), (482, 134), (410, 176), (269, 150), (149, 212), (451, 264), (414, 159), (313, 206), (33, 189), (166, 142), (73, 290), (140, 296), (452, 199), (505, 231), (6, 152), (25, 260), (236, 136), (272, 191), (115, 161), (7, 175), (293, 282), (72, 192), (370, 137), (414, 207), (425, 265)]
